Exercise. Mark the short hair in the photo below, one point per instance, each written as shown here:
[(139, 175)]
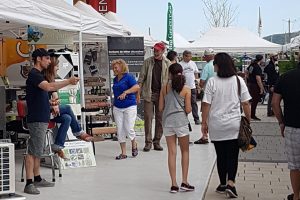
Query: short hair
[(171, 55), (40, 52), (225, 65), (122, 63), (186, 52)]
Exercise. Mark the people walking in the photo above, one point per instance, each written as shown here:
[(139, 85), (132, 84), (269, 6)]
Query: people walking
[(288, 90), (255, 84), (153, 74), (190, 71), (125, 88), (272, 72), (207, 72), (172, 56), (221, 117), (175, 102)]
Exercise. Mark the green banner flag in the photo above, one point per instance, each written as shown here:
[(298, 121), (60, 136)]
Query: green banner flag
[(170, 26)]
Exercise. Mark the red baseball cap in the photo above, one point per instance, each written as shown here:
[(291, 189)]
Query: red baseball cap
[(159, 46)]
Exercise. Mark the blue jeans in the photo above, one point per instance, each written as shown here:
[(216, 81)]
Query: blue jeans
[(66, 119)]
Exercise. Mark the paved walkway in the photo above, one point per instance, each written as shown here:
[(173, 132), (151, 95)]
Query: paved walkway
[(262, 172), (146, 177)]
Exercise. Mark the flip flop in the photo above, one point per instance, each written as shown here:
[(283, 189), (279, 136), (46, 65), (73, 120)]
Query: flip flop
[(121, 157)]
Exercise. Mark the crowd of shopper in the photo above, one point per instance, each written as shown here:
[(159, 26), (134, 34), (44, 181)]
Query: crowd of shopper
[(167, 87)]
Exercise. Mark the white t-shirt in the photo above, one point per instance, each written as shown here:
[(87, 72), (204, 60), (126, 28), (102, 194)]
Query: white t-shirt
[(224, 114), (189, 70)]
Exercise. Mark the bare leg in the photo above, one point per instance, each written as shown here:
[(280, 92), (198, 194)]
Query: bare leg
[(123, 148), (29, 166), (36, 167), (171, 143), (295, 181), (184, 147), (133, 144)]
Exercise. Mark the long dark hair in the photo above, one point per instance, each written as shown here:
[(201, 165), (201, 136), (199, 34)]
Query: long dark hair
[(50, 72), (225, 65), (178, 79)]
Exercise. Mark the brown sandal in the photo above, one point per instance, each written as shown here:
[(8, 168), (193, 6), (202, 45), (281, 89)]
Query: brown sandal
[(85, 137)]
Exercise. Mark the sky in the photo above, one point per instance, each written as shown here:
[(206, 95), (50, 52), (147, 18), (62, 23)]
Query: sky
[(190, 21)]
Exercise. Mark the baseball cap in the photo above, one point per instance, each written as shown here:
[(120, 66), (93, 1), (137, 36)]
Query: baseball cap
[(40, 53), (273, 55), (209, 52), (159, 46)]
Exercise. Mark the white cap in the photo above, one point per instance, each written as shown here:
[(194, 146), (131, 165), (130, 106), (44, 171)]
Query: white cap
[(209, 52)]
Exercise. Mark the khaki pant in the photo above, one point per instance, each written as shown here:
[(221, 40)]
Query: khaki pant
[(149, 109)]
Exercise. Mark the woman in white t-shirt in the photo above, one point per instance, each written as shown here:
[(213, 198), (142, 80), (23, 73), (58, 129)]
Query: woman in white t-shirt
[(221, 116)]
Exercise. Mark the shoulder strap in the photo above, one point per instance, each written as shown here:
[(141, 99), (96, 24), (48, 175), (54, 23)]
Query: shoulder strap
[(178, 101), (239, 91)]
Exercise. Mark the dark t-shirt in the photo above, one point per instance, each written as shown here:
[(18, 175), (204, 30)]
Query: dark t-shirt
[(288, 87), (126, 82), (156, 76), (37, 99), (254, 70), (272, 74)]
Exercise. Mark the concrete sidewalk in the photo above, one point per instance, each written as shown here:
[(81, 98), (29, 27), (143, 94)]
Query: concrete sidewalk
[(144, 177), (263, 174)]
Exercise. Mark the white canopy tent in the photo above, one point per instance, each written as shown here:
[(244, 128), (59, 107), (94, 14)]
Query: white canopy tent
[(90, 11), (37, 13), (148, 40), (106, 24), (233, 40), (181, 43), (89, 23), (58, 14)]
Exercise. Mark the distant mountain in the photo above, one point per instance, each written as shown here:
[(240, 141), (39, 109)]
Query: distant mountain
[(280, 38)]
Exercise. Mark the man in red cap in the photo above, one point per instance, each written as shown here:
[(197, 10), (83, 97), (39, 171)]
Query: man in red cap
[(153, 75)]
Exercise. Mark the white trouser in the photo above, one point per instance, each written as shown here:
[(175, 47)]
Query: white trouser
[(125, 120)]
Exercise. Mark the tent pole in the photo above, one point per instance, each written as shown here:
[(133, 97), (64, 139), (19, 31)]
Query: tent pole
[(80, 67)]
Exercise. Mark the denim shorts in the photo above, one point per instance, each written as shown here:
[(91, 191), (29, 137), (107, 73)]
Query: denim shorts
[(178, 131), (36, 142)]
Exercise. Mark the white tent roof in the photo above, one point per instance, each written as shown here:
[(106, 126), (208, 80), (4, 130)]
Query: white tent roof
[(37, 13), (234, 40), (113, 28), (89, 23), (51, 14), (148, 40), (295, 41), (181, 43)]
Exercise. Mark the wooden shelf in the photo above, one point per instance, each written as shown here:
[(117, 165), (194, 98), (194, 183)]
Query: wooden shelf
[(92, 84), (104, 130), (101, 117), (94, 79), (89, 97), (92, 105)]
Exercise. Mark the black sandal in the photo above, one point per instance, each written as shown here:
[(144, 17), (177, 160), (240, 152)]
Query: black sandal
[(121, 157), (135, 150)]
